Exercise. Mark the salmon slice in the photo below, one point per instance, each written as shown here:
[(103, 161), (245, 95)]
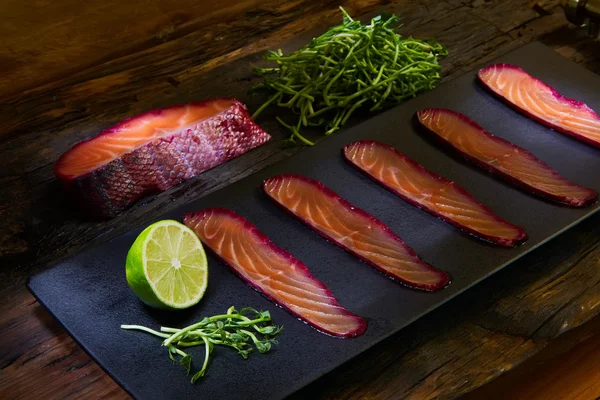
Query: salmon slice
[(431, 192), (541, 102), (151, 152), (503, 158), (273, 271), (354, 230)]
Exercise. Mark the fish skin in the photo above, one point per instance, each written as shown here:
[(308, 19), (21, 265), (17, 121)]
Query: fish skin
[(580, 196), (489, 76), (345, 324), (163, 162), (380, 232), (350, 154)]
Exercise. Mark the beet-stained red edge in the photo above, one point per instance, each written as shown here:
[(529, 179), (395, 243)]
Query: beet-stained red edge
[(264, 240), (573, 102), (445, 278), (116, 127), (582, 202), (520, 238)]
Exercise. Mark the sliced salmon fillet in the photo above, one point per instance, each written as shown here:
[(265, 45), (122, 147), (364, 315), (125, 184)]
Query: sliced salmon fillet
[(354, 230), (153, 151), (273, 271), (431, 192), (541, 102), (503, 158)]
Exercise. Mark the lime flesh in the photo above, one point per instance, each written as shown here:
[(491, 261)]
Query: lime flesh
[(166, 266)]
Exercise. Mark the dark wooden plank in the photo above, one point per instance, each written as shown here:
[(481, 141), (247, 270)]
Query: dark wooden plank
[(456, 349), (41, 361), (37, 48), (569, 369)]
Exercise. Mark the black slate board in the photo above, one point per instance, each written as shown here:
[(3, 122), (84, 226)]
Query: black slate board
[(88, 293)]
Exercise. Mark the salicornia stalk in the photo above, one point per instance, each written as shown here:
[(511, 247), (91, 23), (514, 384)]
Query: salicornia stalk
[(231, 329), (351, 66)]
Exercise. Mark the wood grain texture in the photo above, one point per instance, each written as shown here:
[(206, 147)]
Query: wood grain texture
[(59, 39), (68, 72), (569, 369)]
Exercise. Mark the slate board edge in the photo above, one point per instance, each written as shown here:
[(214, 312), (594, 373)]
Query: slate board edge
[(446, 301), (310, 378), (87, 351)]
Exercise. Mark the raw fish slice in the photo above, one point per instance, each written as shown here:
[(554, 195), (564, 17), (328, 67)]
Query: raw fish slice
[(541, 102), (151, 152), (503, 158), (431, 192), (273, 271), (354, 230)]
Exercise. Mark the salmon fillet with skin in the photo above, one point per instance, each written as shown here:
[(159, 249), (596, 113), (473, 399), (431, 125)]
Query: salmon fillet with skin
[(354, 230), (431, 192), (503, 158), (273, 271), (541, 102), (154, 151)]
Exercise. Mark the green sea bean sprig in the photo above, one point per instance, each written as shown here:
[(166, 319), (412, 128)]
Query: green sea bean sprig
[(350, 66)]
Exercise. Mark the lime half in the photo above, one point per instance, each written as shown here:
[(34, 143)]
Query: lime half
[(166, 266)]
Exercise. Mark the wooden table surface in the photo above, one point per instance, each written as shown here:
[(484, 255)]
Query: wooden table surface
[(69, 69)]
